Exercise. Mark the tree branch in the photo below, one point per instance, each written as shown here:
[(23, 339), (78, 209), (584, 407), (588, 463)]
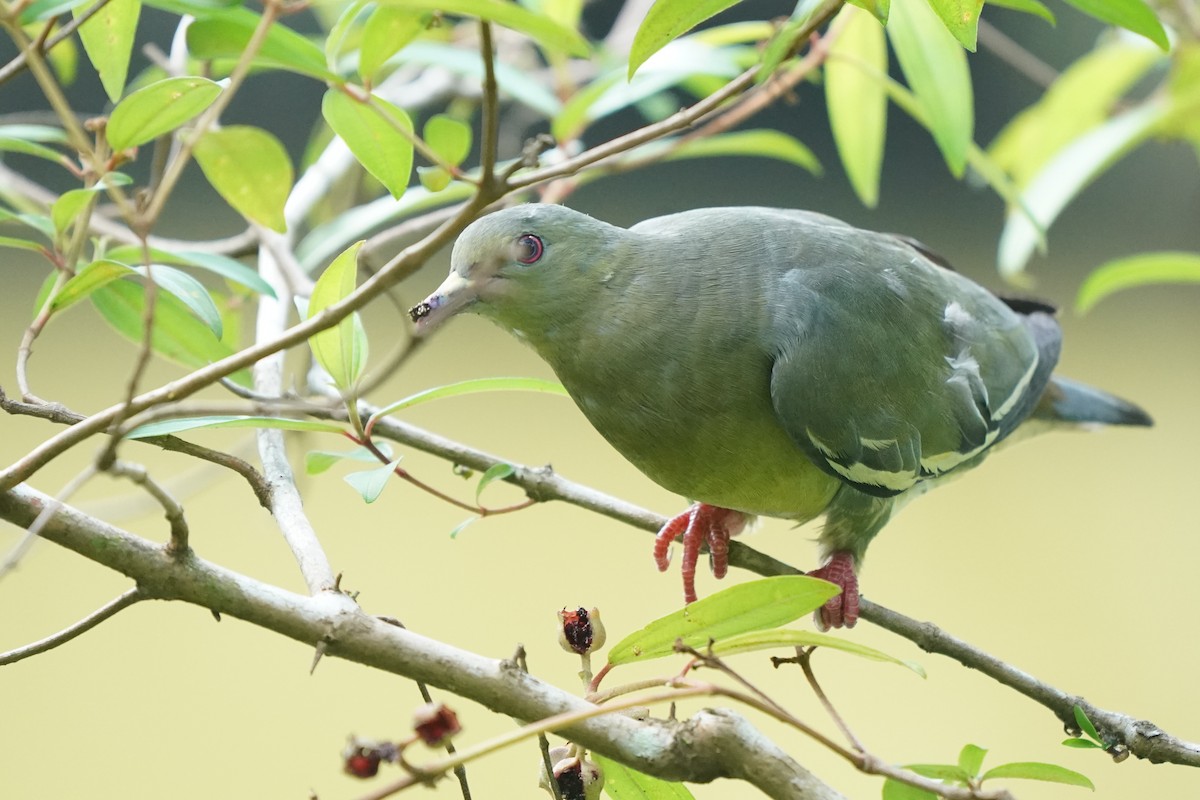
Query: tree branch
[(110, 609), (710, 745)]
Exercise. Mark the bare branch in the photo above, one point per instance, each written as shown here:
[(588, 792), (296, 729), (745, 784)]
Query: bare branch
[(110, 609), (174, 511)]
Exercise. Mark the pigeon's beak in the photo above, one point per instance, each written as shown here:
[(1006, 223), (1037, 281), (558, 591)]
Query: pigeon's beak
[(455, 294)]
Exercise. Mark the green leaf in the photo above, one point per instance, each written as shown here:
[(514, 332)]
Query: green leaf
[(541, 28), (961, 18), (1144, 269), (460, 527), (190, 291), (168, 427), (1083, 744), (20, 244), (42, 10), (370, 483), (388, 31), (757, 605), (87, 280), (521, 86), (177, 335), (1027, 6), (764, 143), (336, 39), (667, 20), (227, 33), (1081, 98), (936, 69), (1085, 724), (778, 637), (342, 349), (108, 40), (249, 169), (879, 9), (496, 472), (472, 386), (30, 149), (435, 179), (941, 772), (857, 102), (1037, 771), (33, 133), (318, 461), (1066, 175), (221, 265), (624, 783), (70, 204), (895, 790), (1133, 15), (373, 132), (970, 759), (450, 138), (158, 108)]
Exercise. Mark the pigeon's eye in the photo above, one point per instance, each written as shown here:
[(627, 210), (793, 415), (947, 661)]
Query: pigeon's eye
[(529, 248)]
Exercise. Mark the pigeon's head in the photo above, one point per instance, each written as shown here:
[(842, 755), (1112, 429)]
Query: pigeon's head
[(526, 267)]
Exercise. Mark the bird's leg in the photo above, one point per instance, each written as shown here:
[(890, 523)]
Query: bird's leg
[(841, 609), (699, 525)]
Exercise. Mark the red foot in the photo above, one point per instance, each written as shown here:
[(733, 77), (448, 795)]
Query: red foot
[(842, 609), (700, 524)]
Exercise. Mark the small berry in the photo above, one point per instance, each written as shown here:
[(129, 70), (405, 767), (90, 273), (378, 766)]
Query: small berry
[(580, 631), (435, 723)]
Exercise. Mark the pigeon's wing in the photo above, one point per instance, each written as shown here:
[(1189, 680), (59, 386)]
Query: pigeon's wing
[(889, 369)]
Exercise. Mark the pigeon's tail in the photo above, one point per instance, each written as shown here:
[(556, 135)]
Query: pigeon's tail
[(1069, 401)]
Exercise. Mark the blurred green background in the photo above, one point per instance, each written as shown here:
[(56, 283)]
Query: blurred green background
[(1072, 557)]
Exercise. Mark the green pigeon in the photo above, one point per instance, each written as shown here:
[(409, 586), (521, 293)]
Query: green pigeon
[(771, 362)]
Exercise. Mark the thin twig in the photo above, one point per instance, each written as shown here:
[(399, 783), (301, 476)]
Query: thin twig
[(999, 44), (171, 507), (491, 107), (57, 413), (543, 743), (110, 609), (804, 658)]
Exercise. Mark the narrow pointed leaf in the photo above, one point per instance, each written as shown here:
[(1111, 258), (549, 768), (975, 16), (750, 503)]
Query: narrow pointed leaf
[(940, 772), (764, 143), (961, 18), (1133, 15), (28, 148), (1085, 724), (1066, 175), (757, 605), (168, 427), (318, 461), (342, 349), (624, 783), (1037, 771), (541, 28), (158, 108), (1083, 744), (970, 759), (1145, 269), (666, 21), (373, 132), (778, 637), (190, 292), (462, 526), (519, 85), (936, 69), (387, 31), (221, 265), (87, 280), (227, 33), (370, 483), (496, 472), (472, 386), (895, 790), (20, 244), (108, 40), (857, 102), (1033, 7), (249, 169)]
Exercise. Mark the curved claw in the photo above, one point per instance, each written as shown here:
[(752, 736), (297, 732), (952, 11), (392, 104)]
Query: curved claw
[(700, 525), (841, 610)]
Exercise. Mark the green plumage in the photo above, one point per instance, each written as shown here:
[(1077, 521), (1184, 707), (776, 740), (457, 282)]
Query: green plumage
[(768, 361)]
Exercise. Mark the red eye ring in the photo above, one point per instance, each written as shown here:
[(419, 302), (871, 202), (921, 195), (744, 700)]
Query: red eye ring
[(531, 248)]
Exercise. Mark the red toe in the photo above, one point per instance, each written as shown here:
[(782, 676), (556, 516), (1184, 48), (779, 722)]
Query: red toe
[(700, 525), (841, 610)]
